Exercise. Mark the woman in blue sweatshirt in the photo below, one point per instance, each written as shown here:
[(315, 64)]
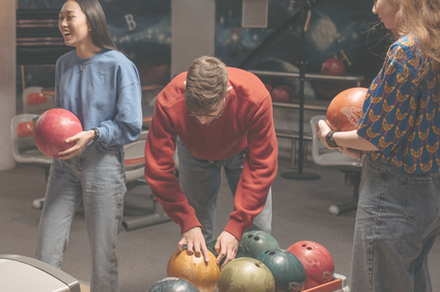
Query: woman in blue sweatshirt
[(102, 88)]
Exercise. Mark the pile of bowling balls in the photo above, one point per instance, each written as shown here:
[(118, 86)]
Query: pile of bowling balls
[(260, 265)]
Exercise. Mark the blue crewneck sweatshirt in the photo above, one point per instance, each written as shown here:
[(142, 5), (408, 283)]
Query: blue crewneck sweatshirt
[(103, 91)]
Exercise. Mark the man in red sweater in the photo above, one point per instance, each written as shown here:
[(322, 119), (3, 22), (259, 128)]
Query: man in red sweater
[(223, 118)]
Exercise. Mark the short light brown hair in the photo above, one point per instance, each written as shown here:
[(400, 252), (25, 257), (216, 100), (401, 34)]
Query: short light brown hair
[(206, 84)]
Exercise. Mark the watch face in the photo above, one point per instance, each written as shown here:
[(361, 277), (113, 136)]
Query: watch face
[(332, 143)]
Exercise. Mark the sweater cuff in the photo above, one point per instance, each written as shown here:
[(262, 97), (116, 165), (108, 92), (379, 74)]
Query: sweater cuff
[(237, 228), (189, 223)]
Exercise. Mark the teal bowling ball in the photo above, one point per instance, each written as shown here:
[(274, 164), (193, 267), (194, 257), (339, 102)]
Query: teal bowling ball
[(241, 252), (173, 284), (258, 241), (286, 268)]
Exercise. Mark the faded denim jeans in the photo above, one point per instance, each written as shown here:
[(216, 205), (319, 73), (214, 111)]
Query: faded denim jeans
[(397, 223), (200, 181), (95, 176)]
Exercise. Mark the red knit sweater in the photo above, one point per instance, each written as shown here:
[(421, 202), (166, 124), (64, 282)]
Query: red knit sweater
[(246, 122)]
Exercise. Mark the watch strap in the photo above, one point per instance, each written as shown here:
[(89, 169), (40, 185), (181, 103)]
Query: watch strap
[(330, 141), (96, 134)]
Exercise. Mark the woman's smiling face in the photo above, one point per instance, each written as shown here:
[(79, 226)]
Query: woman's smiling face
[(73, 24)]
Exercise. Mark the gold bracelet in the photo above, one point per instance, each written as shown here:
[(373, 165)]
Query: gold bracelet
[(359, 158)]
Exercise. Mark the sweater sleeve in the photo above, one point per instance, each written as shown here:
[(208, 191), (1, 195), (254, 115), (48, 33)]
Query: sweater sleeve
[(259, 170), (159, 171), (126, 126)]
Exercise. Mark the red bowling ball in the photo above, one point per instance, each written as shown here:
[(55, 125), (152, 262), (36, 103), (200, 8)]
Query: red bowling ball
[(25, 129), (333, 66), (52, 129), (269, 88), (344, 111), (317, 261), (282, 93), (36, 98)]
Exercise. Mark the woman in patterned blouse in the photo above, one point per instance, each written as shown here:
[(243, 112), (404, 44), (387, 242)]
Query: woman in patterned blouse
[(398, 211)]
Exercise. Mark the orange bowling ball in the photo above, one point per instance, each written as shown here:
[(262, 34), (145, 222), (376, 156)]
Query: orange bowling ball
[(194, 269), (344, 111)]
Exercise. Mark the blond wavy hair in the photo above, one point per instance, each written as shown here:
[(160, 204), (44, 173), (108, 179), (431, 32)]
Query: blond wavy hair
[(206, 85), (422, 19)]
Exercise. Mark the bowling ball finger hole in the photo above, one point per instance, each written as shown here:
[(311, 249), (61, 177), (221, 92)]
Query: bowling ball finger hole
[(258, 265), (256, 238), (272, 253)]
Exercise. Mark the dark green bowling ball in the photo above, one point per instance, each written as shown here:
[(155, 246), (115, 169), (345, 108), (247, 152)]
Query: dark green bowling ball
[(286, 268)]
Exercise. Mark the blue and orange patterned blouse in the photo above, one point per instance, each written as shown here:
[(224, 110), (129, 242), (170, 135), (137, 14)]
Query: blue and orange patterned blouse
[(401, 116)]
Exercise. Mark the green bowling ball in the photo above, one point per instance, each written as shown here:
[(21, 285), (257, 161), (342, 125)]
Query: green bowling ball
[(241, 252), (258, 241), (286, 268), (246, 274)]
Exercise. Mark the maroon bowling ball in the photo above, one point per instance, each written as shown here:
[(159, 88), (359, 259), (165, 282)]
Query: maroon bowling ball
[(282, 93), (317, 262), (52, 128), (333, 66)]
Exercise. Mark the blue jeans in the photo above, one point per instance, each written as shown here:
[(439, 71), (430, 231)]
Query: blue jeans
[(396, 225), (200, 181), (95, 176)]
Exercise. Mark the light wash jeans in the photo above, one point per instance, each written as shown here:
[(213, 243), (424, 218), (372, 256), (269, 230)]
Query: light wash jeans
[(95, 176), (397, 222), (200, 181)]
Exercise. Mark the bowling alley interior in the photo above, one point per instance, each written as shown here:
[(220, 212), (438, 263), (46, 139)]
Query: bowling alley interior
[(305, 53)]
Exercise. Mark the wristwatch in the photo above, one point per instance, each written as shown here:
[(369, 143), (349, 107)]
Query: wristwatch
[(329, 140), (96, 134)]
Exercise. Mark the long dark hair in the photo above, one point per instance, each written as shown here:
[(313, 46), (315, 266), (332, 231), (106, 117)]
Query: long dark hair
[(96, 18)]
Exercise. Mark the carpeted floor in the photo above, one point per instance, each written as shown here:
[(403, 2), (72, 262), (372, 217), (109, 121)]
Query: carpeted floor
[(300, 212)]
